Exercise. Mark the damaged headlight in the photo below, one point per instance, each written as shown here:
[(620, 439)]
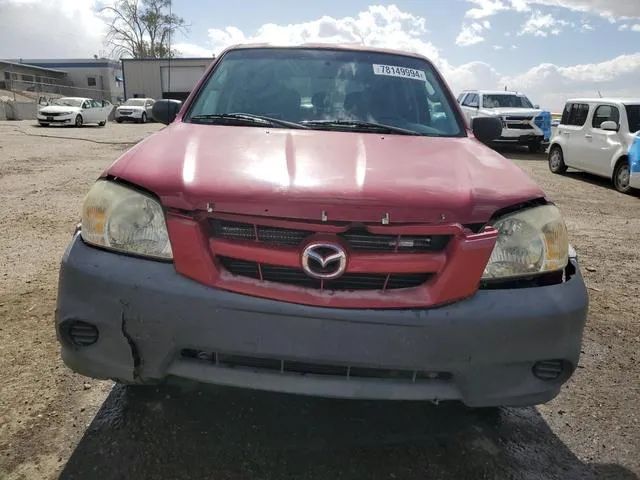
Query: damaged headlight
[(530, 242), (122, 219)]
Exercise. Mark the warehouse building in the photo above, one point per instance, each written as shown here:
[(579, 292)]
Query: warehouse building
[(162, 78), (98, 78), (30, 78)]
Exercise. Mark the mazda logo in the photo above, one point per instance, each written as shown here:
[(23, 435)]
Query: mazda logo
[(324, 260)]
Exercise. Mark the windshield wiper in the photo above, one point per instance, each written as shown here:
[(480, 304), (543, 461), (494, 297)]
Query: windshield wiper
[(244, 119), (357, 125)]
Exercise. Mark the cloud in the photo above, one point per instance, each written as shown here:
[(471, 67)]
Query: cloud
[(626, 27), (191, 50), (541, 25), (497, 47), (487, 8), (50, 28), (612, 9), (470, 33), (586, 27), (551, 85)]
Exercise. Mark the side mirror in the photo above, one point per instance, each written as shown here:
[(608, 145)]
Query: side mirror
[(165, 111), (536, 106), (609, 125), (486, 129)]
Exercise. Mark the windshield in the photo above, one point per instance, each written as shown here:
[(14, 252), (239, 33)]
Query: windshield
[(502, 100), (135, 102), (67, 102), (633, 115), (315, 87)]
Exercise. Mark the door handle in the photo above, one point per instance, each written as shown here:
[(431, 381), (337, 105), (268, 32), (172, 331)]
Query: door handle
[(586, 135)]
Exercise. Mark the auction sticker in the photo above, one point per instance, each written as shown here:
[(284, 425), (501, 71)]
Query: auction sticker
[(402, 72)]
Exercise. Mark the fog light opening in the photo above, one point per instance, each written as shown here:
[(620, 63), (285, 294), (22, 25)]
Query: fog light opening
[(551, 370), (79, 333)]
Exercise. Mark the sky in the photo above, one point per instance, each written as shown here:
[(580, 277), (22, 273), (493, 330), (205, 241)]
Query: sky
[(549, 49)]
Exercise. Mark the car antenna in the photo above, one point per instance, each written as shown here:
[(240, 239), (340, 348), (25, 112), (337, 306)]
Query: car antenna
[(599, 94), (169, 55)]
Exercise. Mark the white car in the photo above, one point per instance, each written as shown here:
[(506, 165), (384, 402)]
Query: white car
[(76, 111), (596, 135), (135, 110), (522, 122)]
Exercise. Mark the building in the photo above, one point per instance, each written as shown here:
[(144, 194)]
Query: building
[(30, 78), (162, 78), (98, 78)]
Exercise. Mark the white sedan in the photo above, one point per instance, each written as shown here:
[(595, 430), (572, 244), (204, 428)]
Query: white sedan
[(135, 109), (76, 111)]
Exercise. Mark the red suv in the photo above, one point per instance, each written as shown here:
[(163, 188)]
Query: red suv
[(321, 220)]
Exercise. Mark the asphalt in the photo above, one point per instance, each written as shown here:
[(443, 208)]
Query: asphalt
[(193, 432)]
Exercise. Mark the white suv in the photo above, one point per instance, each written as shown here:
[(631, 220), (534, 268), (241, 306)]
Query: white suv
[(595, 135), (135, 110), (522, 122)]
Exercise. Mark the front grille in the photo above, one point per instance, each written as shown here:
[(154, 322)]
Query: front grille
[(51, 114), (518, 117), (282, 366), (358, 239), (348, 281)]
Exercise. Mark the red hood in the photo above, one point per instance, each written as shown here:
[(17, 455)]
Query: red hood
[(300, 173)]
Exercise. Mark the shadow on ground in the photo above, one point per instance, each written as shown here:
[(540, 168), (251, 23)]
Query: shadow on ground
[(516, 152), (233, 434)]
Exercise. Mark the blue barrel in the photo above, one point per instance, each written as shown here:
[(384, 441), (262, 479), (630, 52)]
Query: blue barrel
[(634, 155), (543, 122)]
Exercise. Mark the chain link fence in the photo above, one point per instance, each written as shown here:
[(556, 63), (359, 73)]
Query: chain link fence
[(42, 91)]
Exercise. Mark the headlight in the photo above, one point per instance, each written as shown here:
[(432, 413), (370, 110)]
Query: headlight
[(529, 242), (122, 219)]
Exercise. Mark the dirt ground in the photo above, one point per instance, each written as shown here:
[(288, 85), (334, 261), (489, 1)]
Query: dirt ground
[(55, 424)]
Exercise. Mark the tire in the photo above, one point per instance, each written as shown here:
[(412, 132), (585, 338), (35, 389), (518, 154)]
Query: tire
[(621, 176), (78, 122), (119, 120), (43, 124), (143, 118), (556, 160), (102, 124)]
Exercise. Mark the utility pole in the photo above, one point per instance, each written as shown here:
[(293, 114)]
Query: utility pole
[(11, 83)]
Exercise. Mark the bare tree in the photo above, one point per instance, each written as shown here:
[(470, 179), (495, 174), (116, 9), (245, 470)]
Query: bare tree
[(142, 28)]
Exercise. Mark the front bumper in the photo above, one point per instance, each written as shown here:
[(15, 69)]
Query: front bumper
[(521, 139), (57, 119), (634, 180), (134, 116), (147, 314)]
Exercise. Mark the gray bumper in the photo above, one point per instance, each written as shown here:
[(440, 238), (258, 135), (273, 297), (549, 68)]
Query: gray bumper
[(147, 315)]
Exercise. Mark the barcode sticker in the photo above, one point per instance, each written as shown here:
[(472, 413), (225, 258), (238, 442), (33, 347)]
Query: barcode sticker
[(402, 72)]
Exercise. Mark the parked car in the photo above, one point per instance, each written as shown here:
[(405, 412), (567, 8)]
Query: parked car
[(522, 122), (76, 111), (361, 249), (135, 110), (595, 135)]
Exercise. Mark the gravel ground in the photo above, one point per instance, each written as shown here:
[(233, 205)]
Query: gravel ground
[(55, 424)]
